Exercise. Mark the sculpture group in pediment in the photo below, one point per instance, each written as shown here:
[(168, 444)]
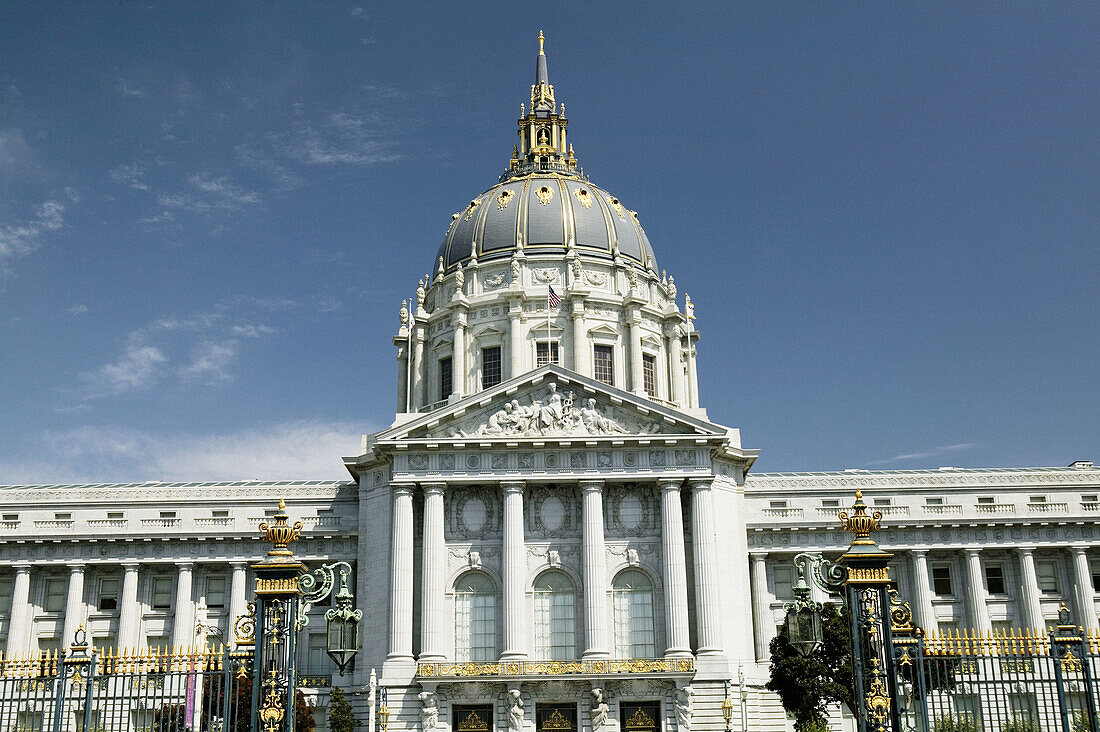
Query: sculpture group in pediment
[(556, 414)]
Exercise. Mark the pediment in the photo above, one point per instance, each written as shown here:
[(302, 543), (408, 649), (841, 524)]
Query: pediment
[(603, 330), (551, 402)]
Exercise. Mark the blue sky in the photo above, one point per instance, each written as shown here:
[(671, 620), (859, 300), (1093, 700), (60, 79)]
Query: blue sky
[(886, 213)]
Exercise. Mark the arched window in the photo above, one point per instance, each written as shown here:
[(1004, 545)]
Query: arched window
[(555, 621), (632, 611), (475, 618)]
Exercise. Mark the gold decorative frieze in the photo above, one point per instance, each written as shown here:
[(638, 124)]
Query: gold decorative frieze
[(276, 586), (868, 575), (558, 668)]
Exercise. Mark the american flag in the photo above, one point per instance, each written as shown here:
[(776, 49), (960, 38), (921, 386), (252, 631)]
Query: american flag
[(552, 299)]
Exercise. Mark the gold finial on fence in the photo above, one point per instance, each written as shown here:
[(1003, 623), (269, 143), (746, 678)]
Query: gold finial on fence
[(860, 523), (280, 534)]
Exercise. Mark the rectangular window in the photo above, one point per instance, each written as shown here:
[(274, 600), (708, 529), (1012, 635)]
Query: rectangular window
[(547, 352), (830, 503), (777, 504), (114, 515), (1087, 498), (316, 657), (157, 641), (782, 582), (167, 514), (604, 364), (219, 513), (108, 594), (445, 374), (162, 593), (1047, 574), (472, 718), (941, 581), (215, 591), (63, 517), (995, 579), (883, 501), (649, 374), (490, 367), (933, 501), (1096, 578), (11, 517), (556, 718), (982, 500), (54, 600), (1037, 499)]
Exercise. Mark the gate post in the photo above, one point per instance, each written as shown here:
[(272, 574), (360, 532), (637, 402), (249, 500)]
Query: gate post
[(274, 675), (866, 593), (1069, 652)]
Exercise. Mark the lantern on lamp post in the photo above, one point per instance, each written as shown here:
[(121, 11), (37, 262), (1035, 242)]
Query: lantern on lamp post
[(342, 637), (804, 626)]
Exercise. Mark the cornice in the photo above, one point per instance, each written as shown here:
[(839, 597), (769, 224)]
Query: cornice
[(766, 482)]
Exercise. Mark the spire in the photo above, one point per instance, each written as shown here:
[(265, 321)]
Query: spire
[(543, 146)]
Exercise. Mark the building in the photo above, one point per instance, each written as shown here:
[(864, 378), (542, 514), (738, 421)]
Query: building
[(553, 535)]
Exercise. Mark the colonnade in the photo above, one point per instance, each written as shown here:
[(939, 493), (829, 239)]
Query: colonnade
[(436, 627), (971, 589), (22, 612)]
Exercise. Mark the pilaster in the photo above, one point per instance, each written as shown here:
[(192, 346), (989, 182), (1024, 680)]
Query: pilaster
[(401, 578), (597, 633), (19, 620), (707, 610), (433, 568), (515, 573), (926, 613)]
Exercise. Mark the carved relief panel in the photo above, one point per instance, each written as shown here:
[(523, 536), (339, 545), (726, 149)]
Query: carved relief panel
[(472, 512), (631, 510), (551, 511)]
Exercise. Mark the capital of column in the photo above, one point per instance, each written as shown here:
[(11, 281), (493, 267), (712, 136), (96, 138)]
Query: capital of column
[(75, 567), (22, 567), (130, 565), (758, 556), (512, 486), (701, 484), (670, 484), (433, 488), (919, 552), (1025, 551), (238, 565), (401, 489), (458, 316), (184, 564), (591, 486), (1079, 550), (972, 551)]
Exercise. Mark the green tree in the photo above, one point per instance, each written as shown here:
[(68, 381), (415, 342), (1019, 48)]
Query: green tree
[(806, 685), (340, 717)]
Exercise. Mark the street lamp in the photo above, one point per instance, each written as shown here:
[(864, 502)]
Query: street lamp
[(342, 638), (727, 707), (384, 712), (804, 627)]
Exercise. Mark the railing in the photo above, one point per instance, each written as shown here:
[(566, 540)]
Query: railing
[(995, 507), (107, 523), (54, 523), (9, 525), (163, 523), (214, 521), (558, 668), (319, 522), (1090, 505), (795, 513), (1048, 507), (942, 509), (434, 406), (891, 510)]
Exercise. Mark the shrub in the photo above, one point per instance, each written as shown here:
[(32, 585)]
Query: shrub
[(1020, 723), (961, 722)]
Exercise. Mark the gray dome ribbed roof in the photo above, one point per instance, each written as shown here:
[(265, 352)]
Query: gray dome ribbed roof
[(545, 213)]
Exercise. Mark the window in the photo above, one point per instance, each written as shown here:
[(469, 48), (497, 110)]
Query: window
[(5, 595), (490, 367), (114, 515), (316, 656), (1001, 628), (167, 514), (1047, 574), (63, 517), (933, 501), (830, 503), (445, 374), (11, 517), (632, 615), (54, 600), (215, 591), (604, 364), (162, 593), (1096, 578), (108, 594), (782, 582), (941, 581), (555, 621), (157, 641), (547, 352), (220, 513), (883, 501), (995, 579), (1037, 499), (475, 618), (649, 374), (777, 504), (1087, 498), (984, 500)]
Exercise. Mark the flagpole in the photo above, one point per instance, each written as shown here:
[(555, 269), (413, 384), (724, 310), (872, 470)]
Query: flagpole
[(688, 312), (547, 326), (409, 363)]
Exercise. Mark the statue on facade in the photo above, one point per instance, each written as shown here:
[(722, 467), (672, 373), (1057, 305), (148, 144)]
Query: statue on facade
[(420, 294), (684, 708), (515, 710), (460, 282), (555, 414), (599, 710), (672, 288), (429, 711), (515, 271)]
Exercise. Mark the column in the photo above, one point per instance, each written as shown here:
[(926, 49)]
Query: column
[(597, 632), (401, 579), (676, 364), (237, 600), (582, 364), (926, 614), (763, 624), (129, 614), (637, 384), (693, 397), (707, 610), (975, 590), (75, 610), (675, 569), (402, 375), (420, 373), (458, 357), (1030, 607), (515, 333), (1083, 589), (515, 573), (433, 569), (19, 620), (183, 624)]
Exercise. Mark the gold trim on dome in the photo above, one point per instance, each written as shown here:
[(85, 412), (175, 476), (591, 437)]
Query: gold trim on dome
[(471, 208), (584, 197), (504, 198), (545, 195), (617, 206)]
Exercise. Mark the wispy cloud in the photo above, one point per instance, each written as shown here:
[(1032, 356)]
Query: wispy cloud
[(305, 449), (130, 174), (931, 452), (22, 238), (77, 309), (137, 368), (127, 88), (340, 138), (206, 194)]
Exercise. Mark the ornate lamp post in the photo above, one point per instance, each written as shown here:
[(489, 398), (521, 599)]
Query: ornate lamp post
[(727, 707), (343, 619)]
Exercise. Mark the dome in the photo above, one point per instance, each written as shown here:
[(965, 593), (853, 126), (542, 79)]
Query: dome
[(544, 215)]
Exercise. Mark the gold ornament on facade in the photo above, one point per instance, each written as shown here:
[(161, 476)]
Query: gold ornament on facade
[(584, 197), (556, 721), (471, 208), (640, 721), (545, 195), (617, 206), (473, 723), (280, 534), (504, 198), (878, 702), (244, 627), (860, 523)]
